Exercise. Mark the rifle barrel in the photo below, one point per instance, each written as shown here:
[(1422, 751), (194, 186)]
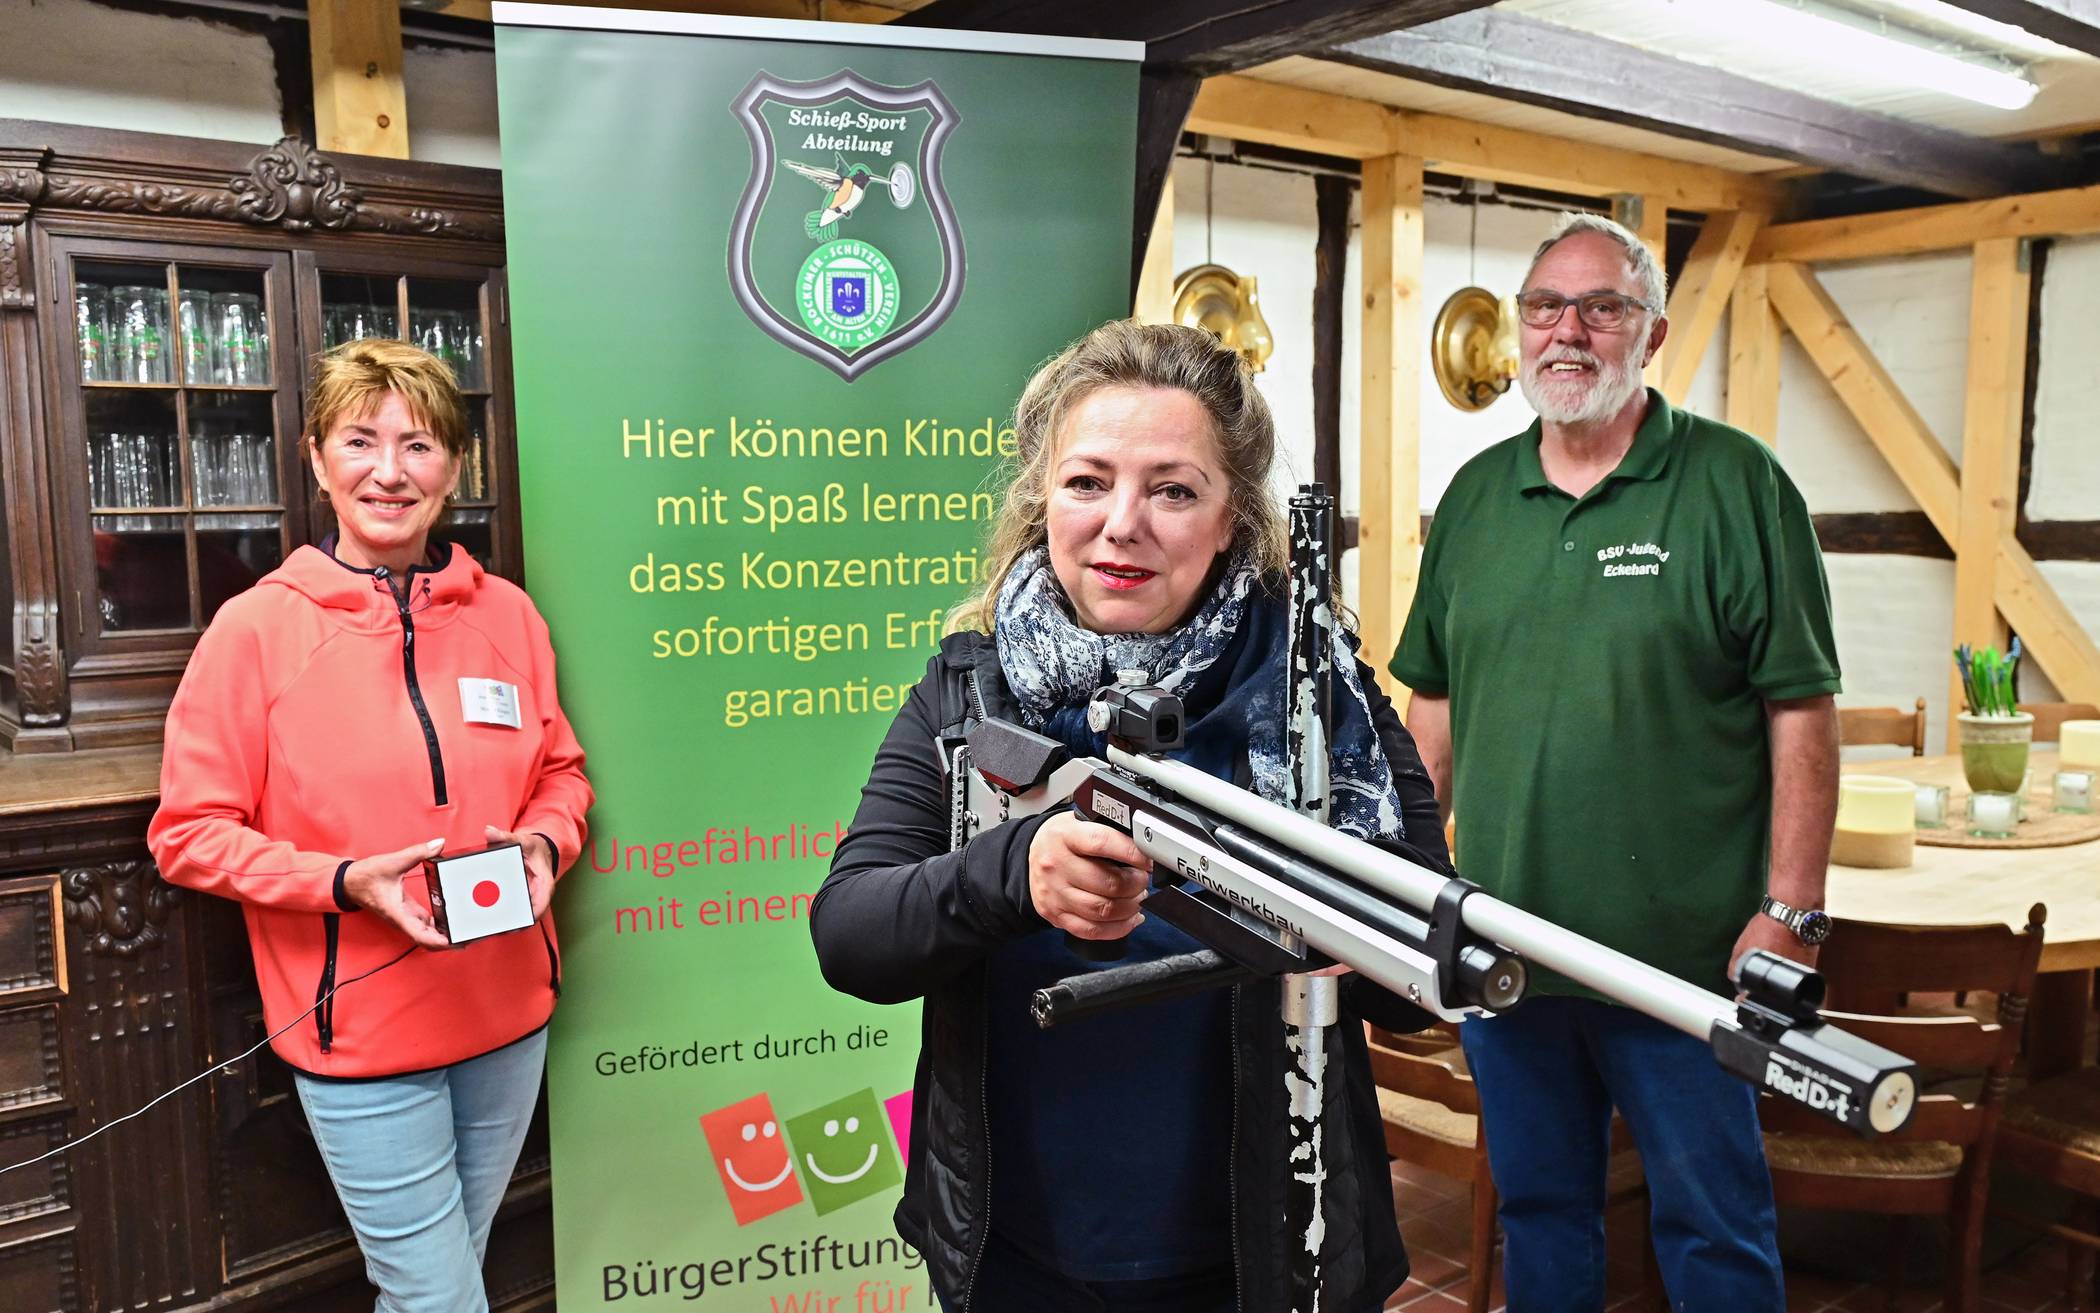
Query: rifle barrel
[(1676, 1003)]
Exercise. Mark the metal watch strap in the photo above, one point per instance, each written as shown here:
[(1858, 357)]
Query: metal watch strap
[(1790, 917), (1809, 925)]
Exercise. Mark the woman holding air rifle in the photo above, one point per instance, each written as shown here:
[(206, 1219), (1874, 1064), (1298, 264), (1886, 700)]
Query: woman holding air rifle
[(1137, 1160)]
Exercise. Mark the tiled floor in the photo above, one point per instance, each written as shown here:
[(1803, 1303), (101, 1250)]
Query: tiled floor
[(2020, 1276)]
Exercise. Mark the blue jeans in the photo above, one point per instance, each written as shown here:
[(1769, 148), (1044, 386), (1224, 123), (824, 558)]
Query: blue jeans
[(1550, 1073), (420, 1163)]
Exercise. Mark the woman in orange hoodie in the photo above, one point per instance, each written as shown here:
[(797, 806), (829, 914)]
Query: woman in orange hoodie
[(371, 703)]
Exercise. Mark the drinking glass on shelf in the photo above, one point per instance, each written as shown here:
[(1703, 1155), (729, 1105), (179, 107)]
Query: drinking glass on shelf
[(464, 336), (207, 486), (141, 315), (434, 335), (243, 346), (263, 456), (351, 322), (91, 320), (198, 333), (102, 469), (158, 480)]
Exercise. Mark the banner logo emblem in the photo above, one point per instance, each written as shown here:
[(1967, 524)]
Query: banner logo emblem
[(845, 246)]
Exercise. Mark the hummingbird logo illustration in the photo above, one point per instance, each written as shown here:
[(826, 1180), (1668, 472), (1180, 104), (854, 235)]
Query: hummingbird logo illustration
[(845, 187)]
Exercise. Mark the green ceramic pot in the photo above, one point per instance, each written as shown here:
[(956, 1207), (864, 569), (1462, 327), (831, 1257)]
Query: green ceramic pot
[(1994, 751)]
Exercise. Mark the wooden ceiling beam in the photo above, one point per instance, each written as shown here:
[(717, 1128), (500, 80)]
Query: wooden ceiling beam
[(2072, 23), (1273, 114), (2072, 212), (1554, 67), (1200, 36)]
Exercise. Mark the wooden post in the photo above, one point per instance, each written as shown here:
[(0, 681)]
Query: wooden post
[(1649, 217), (1389, 528), (1155, 289), (1753, 356), (1702, 295), (359, 105), (1990, 451)]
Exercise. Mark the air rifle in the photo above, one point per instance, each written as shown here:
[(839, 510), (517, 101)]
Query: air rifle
[(1274, 891)]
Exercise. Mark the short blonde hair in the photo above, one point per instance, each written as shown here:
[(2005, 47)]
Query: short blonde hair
[(352, 380), (1126, 353)]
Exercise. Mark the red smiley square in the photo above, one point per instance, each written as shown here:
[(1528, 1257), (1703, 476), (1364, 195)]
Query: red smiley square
[(751, 1157)]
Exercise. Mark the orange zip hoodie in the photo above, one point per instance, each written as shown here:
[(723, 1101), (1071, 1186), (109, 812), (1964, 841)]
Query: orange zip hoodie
[(320, 721)]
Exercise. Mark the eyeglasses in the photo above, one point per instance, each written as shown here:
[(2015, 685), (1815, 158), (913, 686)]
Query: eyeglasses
[(1602, 311)]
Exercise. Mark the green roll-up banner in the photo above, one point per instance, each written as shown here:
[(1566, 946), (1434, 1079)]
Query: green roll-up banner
[(773, 288)]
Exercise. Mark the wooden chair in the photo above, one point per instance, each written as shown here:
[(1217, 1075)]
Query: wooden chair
[(1939, 1164), (1865, 725), (2051, 1130), (1431, 1110), (2049, 717)]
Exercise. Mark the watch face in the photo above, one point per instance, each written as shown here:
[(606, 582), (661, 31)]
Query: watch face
[(1814, 927)]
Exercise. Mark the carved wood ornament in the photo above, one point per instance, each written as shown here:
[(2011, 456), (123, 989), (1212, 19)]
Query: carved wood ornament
[(118, 907), (291, 185), (15, 293)]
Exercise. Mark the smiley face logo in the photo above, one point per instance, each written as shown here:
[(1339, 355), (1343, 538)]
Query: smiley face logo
[(750, 1155), (842, 1150)]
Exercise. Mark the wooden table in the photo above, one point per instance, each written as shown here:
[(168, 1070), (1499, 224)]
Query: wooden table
[(1972, 886)]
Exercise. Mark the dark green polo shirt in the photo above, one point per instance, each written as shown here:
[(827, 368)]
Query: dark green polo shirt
[(1608, 659)]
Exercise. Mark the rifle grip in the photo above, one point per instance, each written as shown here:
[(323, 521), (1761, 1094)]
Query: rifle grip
[(1095, 950)]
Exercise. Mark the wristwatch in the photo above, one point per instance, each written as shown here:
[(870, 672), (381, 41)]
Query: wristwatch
[(1811, 925)]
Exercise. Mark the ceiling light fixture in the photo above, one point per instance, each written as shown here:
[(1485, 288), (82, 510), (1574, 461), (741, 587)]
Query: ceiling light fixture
[(1809, 35)]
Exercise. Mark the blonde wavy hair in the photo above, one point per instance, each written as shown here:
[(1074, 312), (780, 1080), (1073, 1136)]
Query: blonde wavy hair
[(1125, 353)]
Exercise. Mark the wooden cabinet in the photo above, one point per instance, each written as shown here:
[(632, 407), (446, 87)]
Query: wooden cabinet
[(163, 300), (160, 302)]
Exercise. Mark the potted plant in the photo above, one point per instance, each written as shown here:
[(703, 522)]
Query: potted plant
[(1995, 734)]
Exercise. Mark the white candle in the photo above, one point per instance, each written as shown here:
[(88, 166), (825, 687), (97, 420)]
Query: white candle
[(2074, 790), (1993, 813), (1876, 804), (1932, 806), (2080, 744)]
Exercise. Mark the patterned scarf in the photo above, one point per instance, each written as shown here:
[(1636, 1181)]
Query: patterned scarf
[(1226, 664)]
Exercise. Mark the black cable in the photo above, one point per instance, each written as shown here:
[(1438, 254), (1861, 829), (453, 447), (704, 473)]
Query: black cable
[(218, 1066)]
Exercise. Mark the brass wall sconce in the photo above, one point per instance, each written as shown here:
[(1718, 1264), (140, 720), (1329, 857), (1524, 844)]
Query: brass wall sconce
[(1473, 347), (1214, 298)]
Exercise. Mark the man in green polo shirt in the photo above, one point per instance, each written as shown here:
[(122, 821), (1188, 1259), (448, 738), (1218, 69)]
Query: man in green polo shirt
[(1622, 664)]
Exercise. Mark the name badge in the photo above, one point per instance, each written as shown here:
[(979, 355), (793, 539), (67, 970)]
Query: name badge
[(488, 702)]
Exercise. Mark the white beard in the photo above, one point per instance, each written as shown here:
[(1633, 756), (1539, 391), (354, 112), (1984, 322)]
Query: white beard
[(1607, 393)]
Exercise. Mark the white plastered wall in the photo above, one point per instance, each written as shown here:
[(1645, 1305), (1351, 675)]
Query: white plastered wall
[(69, 61)]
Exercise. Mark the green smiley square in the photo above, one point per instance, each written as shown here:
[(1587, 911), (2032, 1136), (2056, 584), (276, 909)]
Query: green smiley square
[(844, 1152)]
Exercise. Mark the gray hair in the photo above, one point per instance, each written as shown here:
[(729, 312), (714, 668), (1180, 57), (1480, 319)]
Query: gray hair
[(1640, 261)]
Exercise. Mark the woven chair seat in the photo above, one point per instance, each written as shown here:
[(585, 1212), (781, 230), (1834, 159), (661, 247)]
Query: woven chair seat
[(2064, 1111), (1816, 1155), (1427, 1117)]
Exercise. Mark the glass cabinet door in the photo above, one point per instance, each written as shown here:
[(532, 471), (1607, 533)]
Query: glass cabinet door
[(180, 431)]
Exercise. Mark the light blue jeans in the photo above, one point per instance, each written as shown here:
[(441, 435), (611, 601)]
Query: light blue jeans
[(420, 1163)]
